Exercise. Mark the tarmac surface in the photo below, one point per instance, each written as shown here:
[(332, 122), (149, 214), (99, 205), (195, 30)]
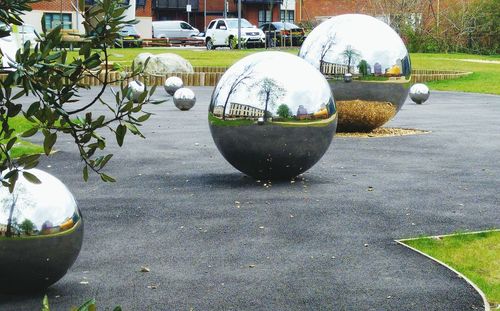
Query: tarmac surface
[(324, 242)]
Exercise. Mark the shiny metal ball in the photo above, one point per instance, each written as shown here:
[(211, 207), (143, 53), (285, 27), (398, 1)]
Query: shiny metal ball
[(137, 88), (272, 115), (184, 98), (41, 232), (419, 93), (377, 61), (172, 84)]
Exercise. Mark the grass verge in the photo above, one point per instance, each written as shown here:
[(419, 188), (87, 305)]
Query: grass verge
[(197, 57), (476, 255), (485, 77), (22, 147)]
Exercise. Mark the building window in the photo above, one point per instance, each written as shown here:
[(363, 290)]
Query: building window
[(264, 17), (140, 3), (52, 20), (287, 16)]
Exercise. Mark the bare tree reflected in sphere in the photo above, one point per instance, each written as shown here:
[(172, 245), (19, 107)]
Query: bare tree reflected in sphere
[(367, 65), (272, 115), (41, 232)]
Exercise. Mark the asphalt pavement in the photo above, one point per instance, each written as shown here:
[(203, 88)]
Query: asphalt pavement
[(215, 239)]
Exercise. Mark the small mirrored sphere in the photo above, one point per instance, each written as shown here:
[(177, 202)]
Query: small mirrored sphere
[(172, 84), (41, 232), (419, 93), (137, 88), (272, 115), (184, 98), (367, 66)]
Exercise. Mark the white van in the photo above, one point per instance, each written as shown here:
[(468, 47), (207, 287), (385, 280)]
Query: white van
[(173, 29)]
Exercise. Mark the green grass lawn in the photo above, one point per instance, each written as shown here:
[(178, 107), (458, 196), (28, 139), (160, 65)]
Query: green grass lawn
[(197, 57), (477, 256), (485, 79)]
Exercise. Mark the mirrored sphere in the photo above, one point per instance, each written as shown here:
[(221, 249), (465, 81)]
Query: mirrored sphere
[(419, 93), (377, 59), (41, 232), (172, 84), (137, 88), (184, 98), (272, 115)]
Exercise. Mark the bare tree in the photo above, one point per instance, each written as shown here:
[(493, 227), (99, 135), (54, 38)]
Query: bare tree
[(326, 46), (270, 91), (240, 79), (351, 56), (398, 13), (10, 222), (444, 26)]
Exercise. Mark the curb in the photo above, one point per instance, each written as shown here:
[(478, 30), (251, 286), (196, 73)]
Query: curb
[(476, 288)]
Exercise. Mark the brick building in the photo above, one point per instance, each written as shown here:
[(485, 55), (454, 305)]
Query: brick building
[(257, 12), (52, 12), (319, 10)]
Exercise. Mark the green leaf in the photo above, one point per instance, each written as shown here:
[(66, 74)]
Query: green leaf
[(30, 165), (12, 180), (23, 160), (18, 95), (107, 178), (45, 304), (85, 173), (28, 133), (87, 306), (101, 144), (13, 110), (144, 117), (85, 50), (10, 174), (49, 142), (152, 90), (11, 143), (31, 178), (105, 160), (121, 130)]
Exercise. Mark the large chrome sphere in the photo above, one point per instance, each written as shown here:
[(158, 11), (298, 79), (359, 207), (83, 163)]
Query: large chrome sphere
[(419, 93), (137, 88), (184, 98), (375, 56), (272, 115), (172, 84), (41, 231)]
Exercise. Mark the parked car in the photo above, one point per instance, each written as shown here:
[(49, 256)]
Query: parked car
[(224, 32), (173, 29), (130, 37), (279, 33)]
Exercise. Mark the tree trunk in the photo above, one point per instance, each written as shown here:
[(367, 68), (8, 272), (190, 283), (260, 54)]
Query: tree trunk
[(265, 108)]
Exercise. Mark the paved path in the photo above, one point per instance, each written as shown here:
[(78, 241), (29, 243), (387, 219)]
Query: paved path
[(297, 246)]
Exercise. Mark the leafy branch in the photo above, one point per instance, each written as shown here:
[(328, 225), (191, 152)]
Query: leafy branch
[(46, 73)]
